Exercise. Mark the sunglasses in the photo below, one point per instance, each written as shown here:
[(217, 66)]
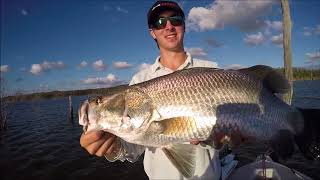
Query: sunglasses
[(174, 20)]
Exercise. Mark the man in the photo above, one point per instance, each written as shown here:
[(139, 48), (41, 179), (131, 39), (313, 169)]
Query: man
[(166, 25)]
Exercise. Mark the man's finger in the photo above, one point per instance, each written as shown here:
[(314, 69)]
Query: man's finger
[(94, 147), (105, 146), (89, 138)]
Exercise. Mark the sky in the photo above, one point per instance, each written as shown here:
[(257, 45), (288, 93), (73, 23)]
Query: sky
[(49, 45)]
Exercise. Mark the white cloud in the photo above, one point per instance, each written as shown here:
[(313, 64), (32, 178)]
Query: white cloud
[(44, 86), (111, 77), (99, 65), (37, 69), (24, 12), (143, 66), (82, 64), (109, 80), (51, 65), (275, 25), (315, 56), (196, 52), (243, 14), (254, 39), (312, 31), (307, 33), (277, 40), (121, 65), (120, 9), (272, 26), (4, 68)]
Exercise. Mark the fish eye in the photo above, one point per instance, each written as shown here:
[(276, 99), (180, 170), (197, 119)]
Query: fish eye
[(98, 100), (95, 100)]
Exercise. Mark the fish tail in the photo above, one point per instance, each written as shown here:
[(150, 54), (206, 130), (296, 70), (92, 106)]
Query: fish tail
[(308, 141)]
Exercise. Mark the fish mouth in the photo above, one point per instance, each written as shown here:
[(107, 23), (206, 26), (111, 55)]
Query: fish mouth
[(88, 117), (83, 115)]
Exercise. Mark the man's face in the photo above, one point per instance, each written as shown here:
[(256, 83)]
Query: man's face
[(170, 37)]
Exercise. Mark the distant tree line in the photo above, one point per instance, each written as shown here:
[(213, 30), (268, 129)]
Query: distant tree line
[(59, 94), (304, 73)]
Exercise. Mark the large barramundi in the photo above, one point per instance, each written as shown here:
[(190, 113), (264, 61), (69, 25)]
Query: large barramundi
[(205, 104)]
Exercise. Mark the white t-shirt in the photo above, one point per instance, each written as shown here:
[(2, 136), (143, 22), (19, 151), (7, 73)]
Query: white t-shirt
[(156, 164)]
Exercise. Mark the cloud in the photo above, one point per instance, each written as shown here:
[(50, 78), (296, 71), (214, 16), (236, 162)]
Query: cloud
[(121, 65), (99, 65), (213, 43), (196, 52), (254, 39), (312, 31), (4, 68), (44, 86), (277, 39), (120, 9), (307, 33), (275, 25), (37, 69), (243, 14), (234, 66), (82, 64), (109, 80), (268, 29), (24, 12), (312, 57)]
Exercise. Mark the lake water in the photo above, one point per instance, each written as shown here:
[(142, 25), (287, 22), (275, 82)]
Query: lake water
[(41, 144)]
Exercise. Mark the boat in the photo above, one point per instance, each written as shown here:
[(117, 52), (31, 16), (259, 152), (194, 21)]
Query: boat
[(265, 168)]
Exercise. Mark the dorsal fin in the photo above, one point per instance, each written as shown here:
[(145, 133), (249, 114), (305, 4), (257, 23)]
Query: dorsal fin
[(272, 79)]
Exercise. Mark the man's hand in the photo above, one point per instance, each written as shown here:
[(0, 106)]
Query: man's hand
[(99, 143)]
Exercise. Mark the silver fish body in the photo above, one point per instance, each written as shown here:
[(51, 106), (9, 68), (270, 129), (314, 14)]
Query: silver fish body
[(202, 104), (199, 103)]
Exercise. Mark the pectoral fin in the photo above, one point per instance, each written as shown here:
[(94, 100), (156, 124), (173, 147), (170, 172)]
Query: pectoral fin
[(182, 157), (176, 127)]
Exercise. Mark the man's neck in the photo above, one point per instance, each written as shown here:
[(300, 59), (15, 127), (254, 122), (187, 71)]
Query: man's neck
[(172, 60)]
